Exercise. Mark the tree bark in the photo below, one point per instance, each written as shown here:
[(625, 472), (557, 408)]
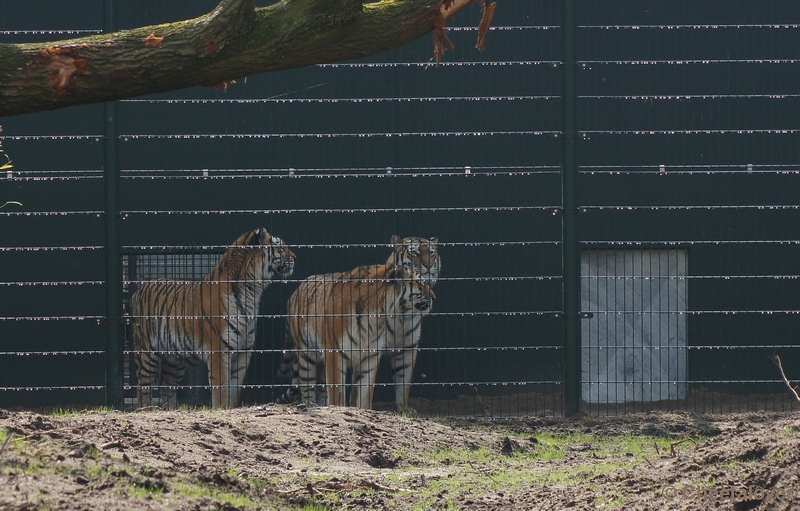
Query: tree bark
[(233, 41)]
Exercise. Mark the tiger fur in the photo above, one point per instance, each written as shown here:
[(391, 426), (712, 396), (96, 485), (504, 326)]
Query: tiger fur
[(404, 334), (211, 321), (340, 321)]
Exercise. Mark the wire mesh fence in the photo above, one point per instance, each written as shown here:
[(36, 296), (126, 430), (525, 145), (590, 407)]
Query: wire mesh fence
[(688, 185)]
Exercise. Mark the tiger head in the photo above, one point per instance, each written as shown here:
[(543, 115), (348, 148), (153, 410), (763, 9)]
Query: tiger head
[(414, 289), (418, 253), (274, 254)]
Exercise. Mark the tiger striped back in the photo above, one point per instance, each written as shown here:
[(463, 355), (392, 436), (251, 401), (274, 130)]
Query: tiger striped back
[(339, 321), (211, 321)]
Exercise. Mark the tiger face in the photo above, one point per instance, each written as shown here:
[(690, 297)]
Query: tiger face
[(277, 256), (421, 254), (420, 294)]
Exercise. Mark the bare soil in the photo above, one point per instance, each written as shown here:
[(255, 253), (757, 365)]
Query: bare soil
[(282, 457)]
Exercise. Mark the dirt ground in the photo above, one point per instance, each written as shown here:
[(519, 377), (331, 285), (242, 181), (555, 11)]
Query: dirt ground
[(282, 457)]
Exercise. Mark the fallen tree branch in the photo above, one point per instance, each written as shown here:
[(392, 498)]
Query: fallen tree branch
[(777, 360), (8, 440), (673, 445), (375, 486), (234, 41)]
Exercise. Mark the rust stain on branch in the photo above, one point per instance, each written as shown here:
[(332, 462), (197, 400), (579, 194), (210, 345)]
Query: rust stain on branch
[(153, 41), (64, 65), (211, 46)]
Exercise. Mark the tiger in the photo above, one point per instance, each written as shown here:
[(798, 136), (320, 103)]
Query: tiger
[(422, 255), (340, 321), (211, 321), (404, 334)]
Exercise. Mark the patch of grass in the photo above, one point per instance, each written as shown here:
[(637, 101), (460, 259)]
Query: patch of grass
[(143, 492), (486, 470), (196, 490), (617, 502), (71, 412), (194, 408), (315, 507), (15, 443)]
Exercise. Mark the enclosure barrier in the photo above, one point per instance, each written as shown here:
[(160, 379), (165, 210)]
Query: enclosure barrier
[(614, 190)]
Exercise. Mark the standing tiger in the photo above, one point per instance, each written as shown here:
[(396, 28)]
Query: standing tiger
[(403, 337), (341, 321), (422, 255), (211, 321)]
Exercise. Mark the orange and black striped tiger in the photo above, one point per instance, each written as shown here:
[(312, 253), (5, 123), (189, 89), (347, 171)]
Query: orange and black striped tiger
[(340, 321), (404, 334), (211, 321)]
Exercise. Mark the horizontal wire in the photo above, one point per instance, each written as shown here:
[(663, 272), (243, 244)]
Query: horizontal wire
[(339, 245), (53, 318), (765, 207), (690, 382), (260, 136), (31, 388), (96, 213), (517, 383), (52, 353), (495, 63), (693, 132), (42, 283), (688, 242), (419, 349), (322, 350), (467, 209), (683, 62), (384, 99), (389, 134), (51, 249), (554, 208), (553, 313), (684, 97), (441, 279), (377, 134), (332, 280), (272, 316), (708, 169), (51, 32), (628, 243), (381, 172), (503, 28), (691, 26)]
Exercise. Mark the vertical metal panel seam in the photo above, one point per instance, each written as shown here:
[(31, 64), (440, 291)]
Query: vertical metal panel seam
[(570, 248), (113, 258)]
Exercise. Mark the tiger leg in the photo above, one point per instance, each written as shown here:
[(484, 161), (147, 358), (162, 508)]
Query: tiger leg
[(335, 372), (239, 363), (219, 378), (308, 369), (172, 372), (403, 358), (402, 363), (364, 380), (144, 370)]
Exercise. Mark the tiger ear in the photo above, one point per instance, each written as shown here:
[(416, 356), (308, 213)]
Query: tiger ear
[(396, 240), (257, 236)]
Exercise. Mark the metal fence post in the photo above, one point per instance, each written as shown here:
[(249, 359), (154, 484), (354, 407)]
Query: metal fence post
[(113, 258), (569, 191)]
